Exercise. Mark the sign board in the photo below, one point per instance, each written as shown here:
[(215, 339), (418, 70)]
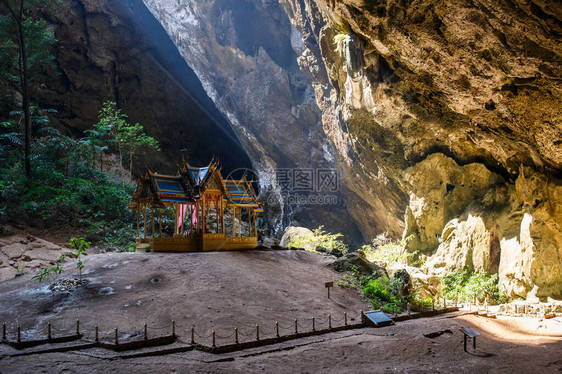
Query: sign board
[(329, 284)]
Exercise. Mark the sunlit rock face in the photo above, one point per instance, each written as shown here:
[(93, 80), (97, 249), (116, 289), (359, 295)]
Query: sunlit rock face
[(453, 115)]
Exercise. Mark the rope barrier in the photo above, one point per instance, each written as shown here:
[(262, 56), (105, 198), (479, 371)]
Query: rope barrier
[(226, 337), (250, 334), (204, 336), (161, 327)]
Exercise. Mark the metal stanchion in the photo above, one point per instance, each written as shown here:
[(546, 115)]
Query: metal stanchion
[(214, 339), (173, 328), (313, 324), (236, 335), (4, 331), (330, 321), (192, 334), (257, 332), (19, 334), (116, 336), (277, 329), (77, 327), (145, 332), (345, 317), (49, 332), (97, 334), (296, 326)]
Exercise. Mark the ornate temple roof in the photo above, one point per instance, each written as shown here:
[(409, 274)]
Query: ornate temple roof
[(189, 185)]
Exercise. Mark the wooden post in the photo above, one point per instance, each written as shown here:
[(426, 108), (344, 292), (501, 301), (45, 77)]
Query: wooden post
[(4, 331), (222, 217), (193, 334), (257, 332), (144, 216), (173, 328), (214, 339), (77, 327), (152, 217), (236, 335), (296, 326), (233, 215), (408, 308), (116, 336), (313, 324), (49, 332), (145, 332), (330, 321), (19, 334), (345, 317), (395, 310), (240, 222), (176, 212), (138, 222), (433, 304), (255, 225), (160, 220), (97, 334), (277, 329), (204, 213)]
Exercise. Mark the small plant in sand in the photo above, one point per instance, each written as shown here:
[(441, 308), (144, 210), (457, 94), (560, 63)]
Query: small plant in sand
[(46, 273), (20, 269), (80, 245)]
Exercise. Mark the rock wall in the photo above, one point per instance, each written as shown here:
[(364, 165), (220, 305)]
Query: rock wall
[(453, 112), (443, 118), (116, 50), (245, 54)]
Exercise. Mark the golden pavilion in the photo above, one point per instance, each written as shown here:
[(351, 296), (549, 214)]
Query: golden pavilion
[(200, 199)]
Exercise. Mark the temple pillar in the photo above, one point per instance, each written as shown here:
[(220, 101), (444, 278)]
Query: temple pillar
[(152, 217), (160, 220), (144, 216)]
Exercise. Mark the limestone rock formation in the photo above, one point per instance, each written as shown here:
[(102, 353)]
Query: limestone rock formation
[(449, 109), (293, 233), (442, 118)]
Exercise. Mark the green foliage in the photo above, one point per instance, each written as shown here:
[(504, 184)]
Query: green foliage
[(384, 249), (320, 240), (80, 245), (64, 187), (383, 292), (465, 286), (113, 129)]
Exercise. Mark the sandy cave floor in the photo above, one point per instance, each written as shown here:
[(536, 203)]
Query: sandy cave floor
[(223, 290)]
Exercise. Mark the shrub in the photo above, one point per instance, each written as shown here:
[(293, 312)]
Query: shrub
[(322, 240), (384, 249), (465, 286)]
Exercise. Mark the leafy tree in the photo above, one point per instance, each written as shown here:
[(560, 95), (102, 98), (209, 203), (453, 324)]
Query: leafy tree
[(129, 138), (25, 46), (98, 140), (134, 140)]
